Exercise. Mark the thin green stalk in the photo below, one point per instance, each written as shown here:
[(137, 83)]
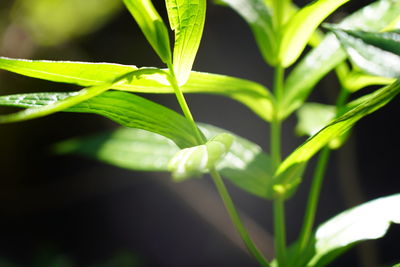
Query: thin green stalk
[(278, 206), (223, 192), (280, 232), (318, 177), (252, 248), (183, 104), (313, 198), (276, 123)]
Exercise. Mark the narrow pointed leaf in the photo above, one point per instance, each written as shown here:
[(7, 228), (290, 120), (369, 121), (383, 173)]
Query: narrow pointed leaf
[(258, 15), (357, 80), (245, 165), (329, 54), (124, 108), (370, 220), (55, 106), (187, 19), (152, 25), (340, 125), (301, 27), (150, 80), (376, 53)]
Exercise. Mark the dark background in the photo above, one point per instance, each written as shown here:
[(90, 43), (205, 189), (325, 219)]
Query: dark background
[(73, 211)]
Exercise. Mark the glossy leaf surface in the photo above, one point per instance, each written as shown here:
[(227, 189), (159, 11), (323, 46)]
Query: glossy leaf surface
[(148, 80), (124, 108), (376, 53), (370, 220), (186, 18), (301, 26), (324, 58), (341, 125), (258, 16), (152, 25)]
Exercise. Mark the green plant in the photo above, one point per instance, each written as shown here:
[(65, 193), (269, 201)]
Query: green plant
[(282, 31)]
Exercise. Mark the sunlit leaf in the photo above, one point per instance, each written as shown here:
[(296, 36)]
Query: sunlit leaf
[(357, 80), (128, 148), (245, 165), (329, 54), (313, 117), (152, 26), (150, 80), (341, 125), (194, 161), (124, 108), (301, 26), (55, 106), (186, 18), (258, 15), (370, 220), (376, 53)]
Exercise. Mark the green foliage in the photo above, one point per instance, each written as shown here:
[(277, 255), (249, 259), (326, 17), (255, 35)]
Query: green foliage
[(259, 17), (194, 161), (370, 220), (160, 139), (325, 57), (148, 80), (152, 25), (186, 18), (245, 164), (126, 109), (298, 31), (341, 125), (375, 53)]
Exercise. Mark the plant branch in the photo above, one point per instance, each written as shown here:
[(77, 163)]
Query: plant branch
[(230, 207), (313, 199), (183, 104)]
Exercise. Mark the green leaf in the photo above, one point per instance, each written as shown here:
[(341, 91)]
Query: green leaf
[(194, 161), (376, 53), (301, 26), (258, 15), (129, 148), (55, 106), (245, 165), (186, 18), (312, 117), (124, 108), (148, 80), (370, 220), (329, 54), (356, 80), (152, 25), (340, 126)]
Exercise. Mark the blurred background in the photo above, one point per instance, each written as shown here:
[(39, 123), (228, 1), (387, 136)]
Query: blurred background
[(72, 211)]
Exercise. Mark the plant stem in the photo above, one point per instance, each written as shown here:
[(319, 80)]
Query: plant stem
[(279, 229), (183, 104), (236, 219), (276, 123), (317, 181), (223, 192), (278, 206), (313, 198)]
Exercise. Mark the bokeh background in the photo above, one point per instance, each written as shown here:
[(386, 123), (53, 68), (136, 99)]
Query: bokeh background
[(72, 211)]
